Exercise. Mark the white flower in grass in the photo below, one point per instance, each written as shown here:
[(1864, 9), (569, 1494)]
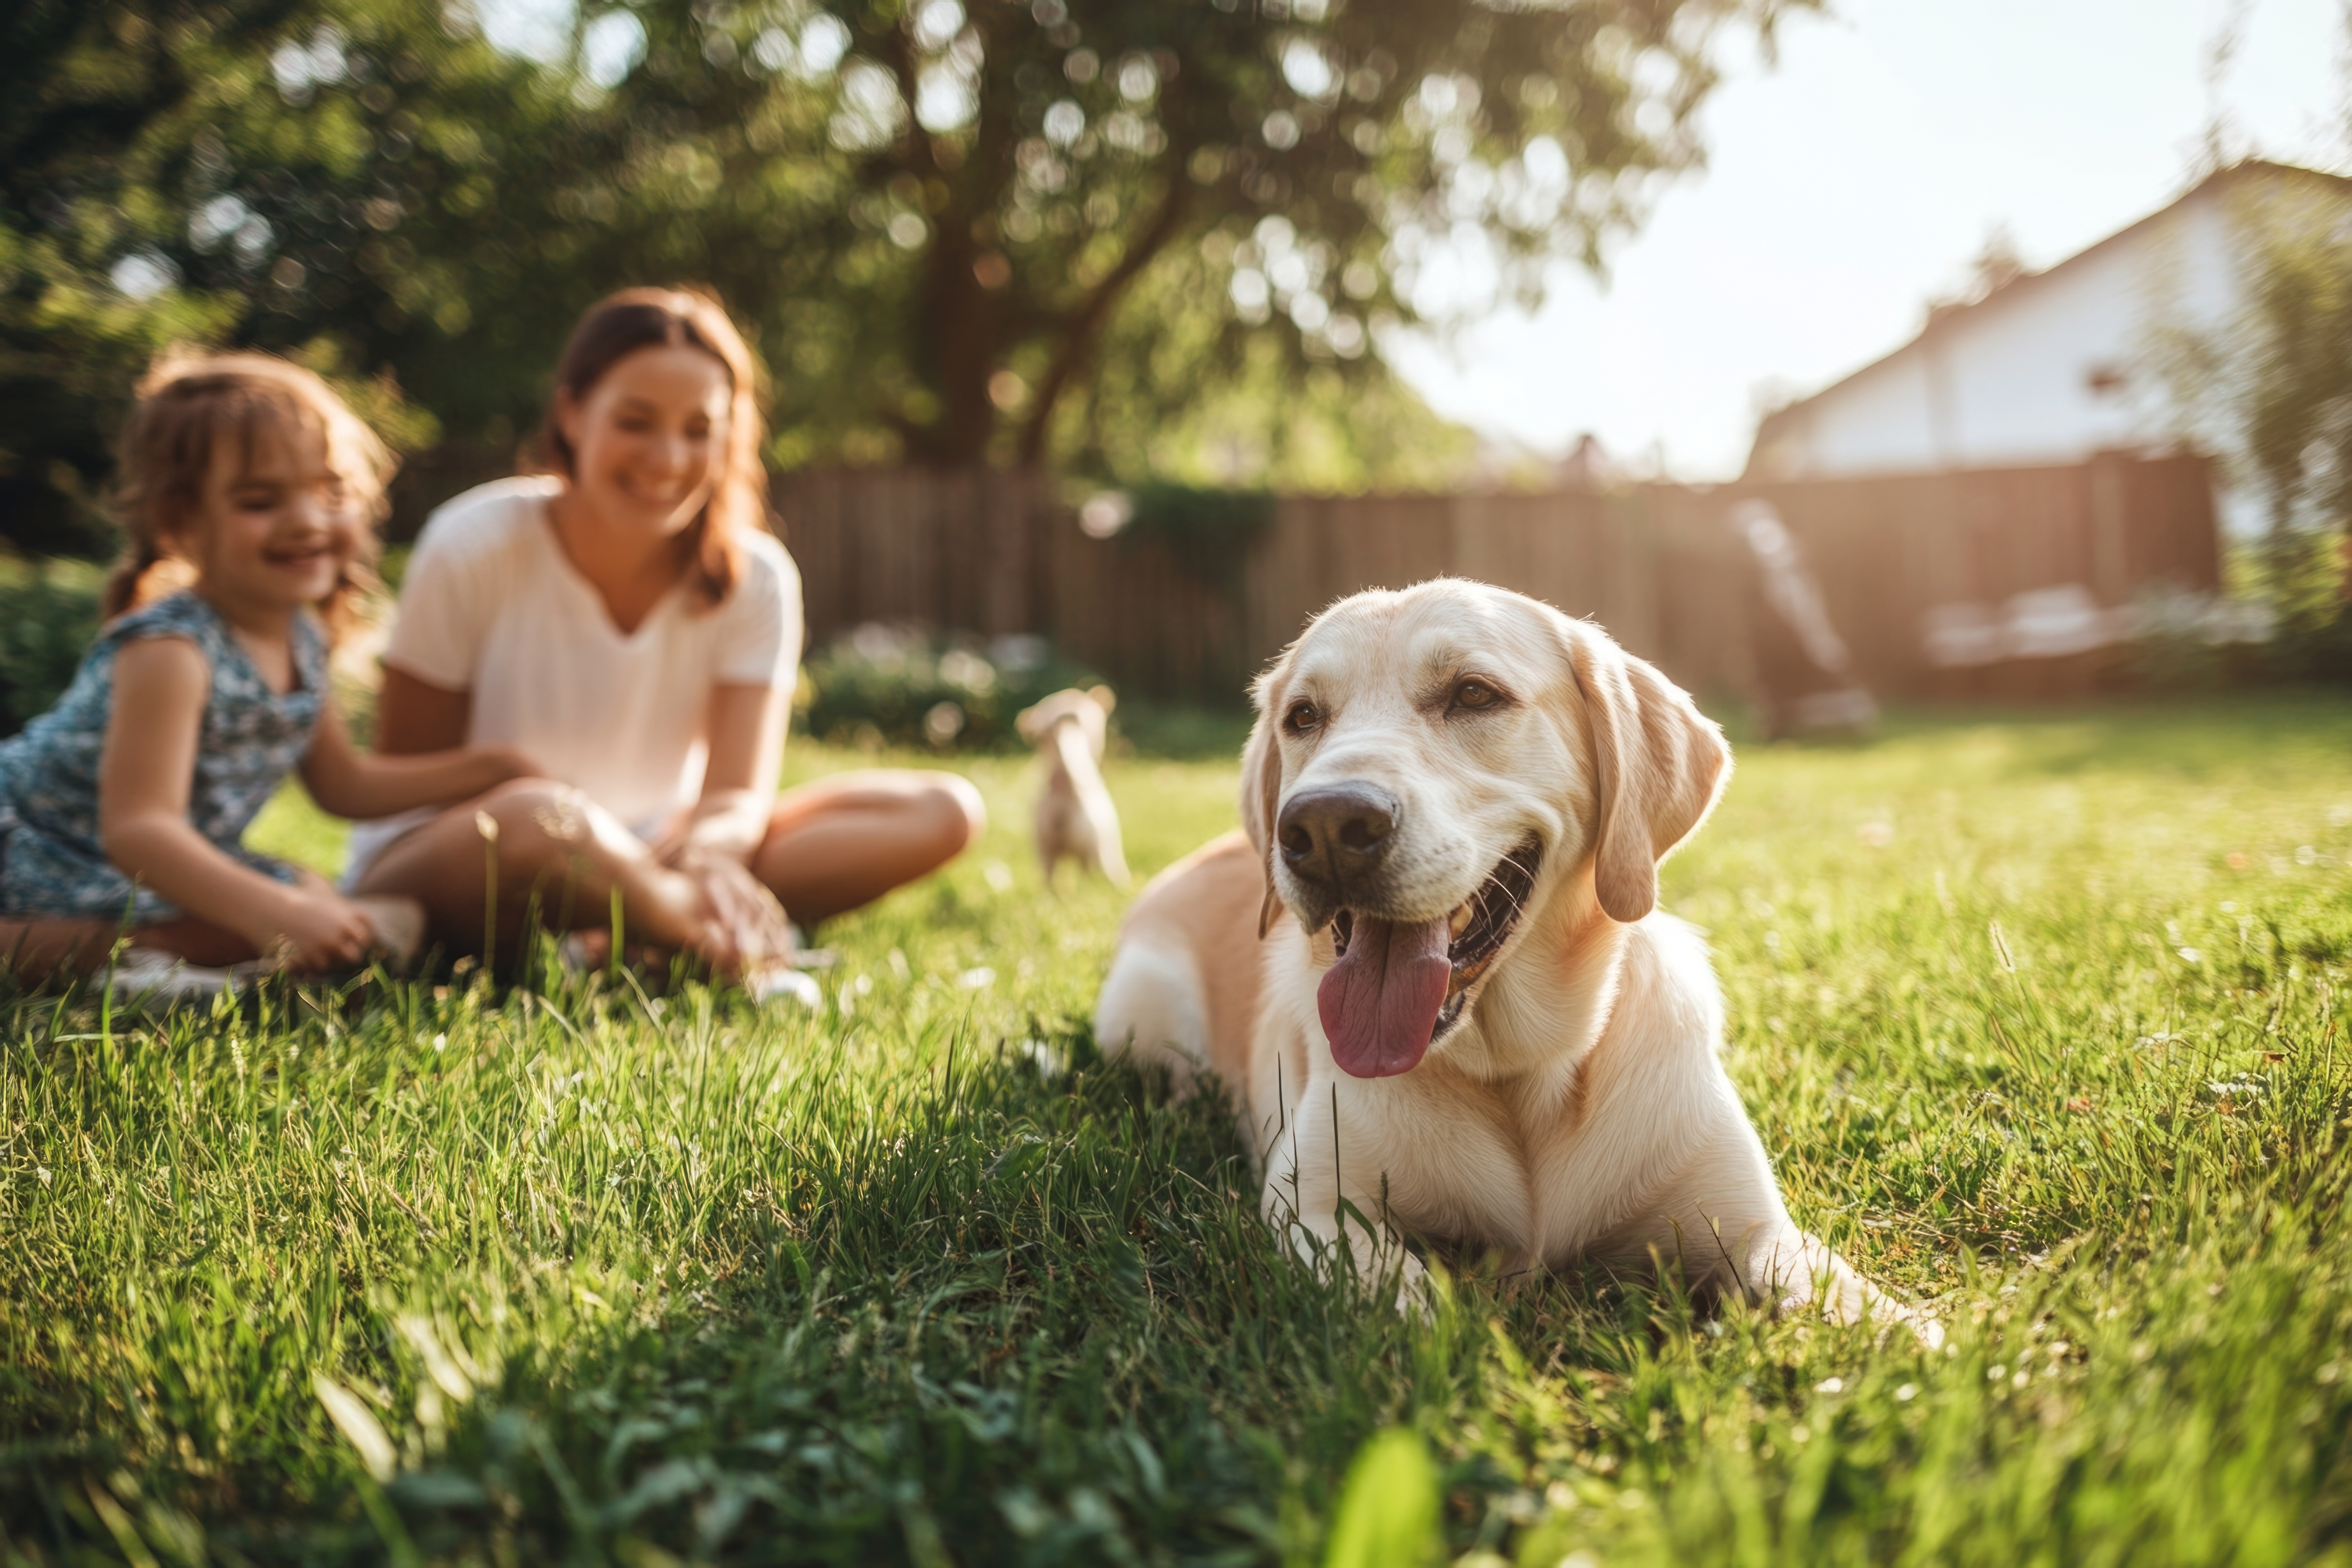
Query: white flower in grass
[(1044, 1058), (979, 979), (358, 1425)]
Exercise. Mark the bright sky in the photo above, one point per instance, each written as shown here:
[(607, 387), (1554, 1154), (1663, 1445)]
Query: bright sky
[(1858, 178)]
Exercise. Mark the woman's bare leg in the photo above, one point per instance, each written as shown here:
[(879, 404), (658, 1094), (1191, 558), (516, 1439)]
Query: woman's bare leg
[(551, 841), (846, 840)]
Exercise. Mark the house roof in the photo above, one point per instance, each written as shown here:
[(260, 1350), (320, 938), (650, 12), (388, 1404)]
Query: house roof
[(1946, 318)]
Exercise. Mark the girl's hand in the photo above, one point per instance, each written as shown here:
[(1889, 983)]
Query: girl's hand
[(314, 927)]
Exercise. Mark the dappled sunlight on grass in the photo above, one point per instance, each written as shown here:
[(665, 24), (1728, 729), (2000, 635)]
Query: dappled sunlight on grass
[(2041, 1017)]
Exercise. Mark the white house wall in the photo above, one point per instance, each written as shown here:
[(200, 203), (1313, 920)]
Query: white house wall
[(2007, 382)]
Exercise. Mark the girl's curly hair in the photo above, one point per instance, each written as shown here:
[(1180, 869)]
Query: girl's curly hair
[(192, 408)]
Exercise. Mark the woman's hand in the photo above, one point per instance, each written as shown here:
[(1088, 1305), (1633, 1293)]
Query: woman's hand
[(744, 928), (504, 763), (313, 928), (724, 825)]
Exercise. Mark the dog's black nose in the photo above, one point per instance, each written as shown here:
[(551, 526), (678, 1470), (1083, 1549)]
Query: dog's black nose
[(1330, 836)]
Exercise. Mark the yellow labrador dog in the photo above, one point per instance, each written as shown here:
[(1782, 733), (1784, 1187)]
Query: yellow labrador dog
[(1432, 970)]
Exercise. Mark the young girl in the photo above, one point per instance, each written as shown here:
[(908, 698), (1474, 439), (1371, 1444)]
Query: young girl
[(249, 488)]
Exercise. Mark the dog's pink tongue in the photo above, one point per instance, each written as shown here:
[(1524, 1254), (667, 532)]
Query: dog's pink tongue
[(1379, 1001)]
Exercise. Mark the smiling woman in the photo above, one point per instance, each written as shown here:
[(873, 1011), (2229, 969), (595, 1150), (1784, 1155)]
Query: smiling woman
[(625, 620)]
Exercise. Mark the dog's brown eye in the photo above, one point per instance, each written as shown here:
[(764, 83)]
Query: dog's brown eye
[(1476, 694), (1302, 717)]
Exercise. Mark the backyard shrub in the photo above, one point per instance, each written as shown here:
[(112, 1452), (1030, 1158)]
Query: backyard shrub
[(49, 611), (2281, 618), (2300, 573), (1209, 531), (896, 685)]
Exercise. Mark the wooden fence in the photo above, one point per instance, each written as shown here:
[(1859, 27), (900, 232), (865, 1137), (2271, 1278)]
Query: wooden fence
[(1658, 565)]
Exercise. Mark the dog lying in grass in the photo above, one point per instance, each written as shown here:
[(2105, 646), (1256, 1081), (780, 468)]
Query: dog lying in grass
[(1432, 971), (1075, 818)]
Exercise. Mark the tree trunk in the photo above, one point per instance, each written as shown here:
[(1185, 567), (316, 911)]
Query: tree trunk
[(1079, 331)]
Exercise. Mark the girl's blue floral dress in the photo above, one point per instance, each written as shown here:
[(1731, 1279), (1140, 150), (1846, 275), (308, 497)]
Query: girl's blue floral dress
[(50, 862)]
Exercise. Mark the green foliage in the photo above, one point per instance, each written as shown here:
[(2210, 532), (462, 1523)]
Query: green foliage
[(162, 183), (1387, 1516), (867, 1285), (1178, 393), (2268, 389), (882, 685), (2271, 390), (2302, 573), (48, 613), (2294, 378), (2293, 582), (945, 226), (84, 85), (997, 182)]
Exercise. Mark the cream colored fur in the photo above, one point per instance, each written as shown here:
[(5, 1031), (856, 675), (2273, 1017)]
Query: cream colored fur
[(1579, 1112), (1075, 818)]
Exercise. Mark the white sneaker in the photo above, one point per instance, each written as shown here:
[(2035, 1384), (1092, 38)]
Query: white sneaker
[(150, 974), (399, 926), (777, 981)]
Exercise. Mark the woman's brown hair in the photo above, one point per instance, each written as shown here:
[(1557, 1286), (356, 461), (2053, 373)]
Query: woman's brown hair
[(189, 406), (637, 319)]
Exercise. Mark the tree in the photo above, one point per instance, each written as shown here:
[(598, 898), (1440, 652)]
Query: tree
[(940, 223), (1168, 399), (2289, 380), (83, 86), (172, 171), (2268, 386), (1014, 169), (2294, 381)]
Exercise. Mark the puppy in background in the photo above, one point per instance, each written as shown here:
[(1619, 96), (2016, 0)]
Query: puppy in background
[(1075, 816)]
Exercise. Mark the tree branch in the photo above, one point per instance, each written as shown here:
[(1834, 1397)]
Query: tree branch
[(1083, 323)]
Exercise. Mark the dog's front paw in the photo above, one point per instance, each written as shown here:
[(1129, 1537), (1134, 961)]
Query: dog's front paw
[(1873, 1307), (1416, 1297), (1925, 1326)]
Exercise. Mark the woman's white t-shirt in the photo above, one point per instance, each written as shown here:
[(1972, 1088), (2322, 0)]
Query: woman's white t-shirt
[(491, 606)]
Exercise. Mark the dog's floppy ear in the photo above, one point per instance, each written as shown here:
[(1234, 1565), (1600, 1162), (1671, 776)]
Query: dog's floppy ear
[(1659, 764), (1031, 720), (1262, 791), (1105, 697)]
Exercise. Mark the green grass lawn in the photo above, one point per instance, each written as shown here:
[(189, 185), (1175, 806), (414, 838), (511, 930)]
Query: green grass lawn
[(2041, 1018)]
